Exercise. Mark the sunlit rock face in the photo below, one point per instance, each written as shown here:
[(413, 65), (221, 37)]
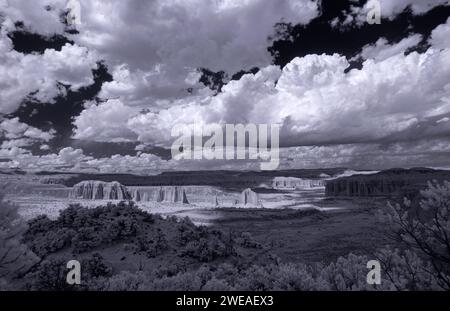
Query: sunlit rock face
[(172, 195), (292, 183), (136, 196), (249, 197), (99, 190)]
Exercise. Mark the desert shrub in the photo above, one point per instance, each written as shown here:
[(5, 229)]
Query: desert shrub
[(170, 270), (86, 239), (152, 243), (346, 274), (51, 241), (406, 271), (85, 229), (296, 277), (426, 229), (246, 240), (217, 285), (256, 278), (188, 281), (15, 257), (227, 272), (96, 266), (188, 232), (126, 281), (38, 225), (205, 250), (50, 275)]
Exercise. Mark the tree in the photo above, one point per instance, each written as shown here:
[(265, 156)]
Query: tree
[(15, 257), (426, 229)]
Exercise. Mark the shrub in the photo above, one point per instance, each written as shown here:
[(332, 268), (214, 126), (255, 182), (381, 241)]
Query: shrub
[(95, 267), (426, 229), (50, 275), (15, 257)]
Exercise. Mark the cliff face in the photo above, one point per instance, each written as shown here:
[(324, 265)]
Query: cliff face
[(296, 183), (172, 195), (248, 197), (99, 190), (386, 183)]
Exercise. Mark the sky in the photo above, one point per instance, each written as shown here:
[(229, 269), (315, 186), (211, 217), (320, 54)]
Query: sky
[(102, 95)]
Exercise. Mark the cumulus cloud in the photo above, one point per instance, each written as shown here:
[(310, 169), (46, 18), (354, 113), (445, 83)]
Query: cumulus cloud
[(220, 35), (152, 88), (37, 76), (382, 50), (155, 47), (426, 152), (440, 36), (66, 159), (390, 9), (318, 103), (13, 129), (106, 121), (40, 16)]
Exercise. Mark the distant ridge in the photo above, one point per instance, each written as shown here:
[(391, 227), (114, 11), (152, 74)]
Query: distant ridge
[(390, 182), (236, 180)]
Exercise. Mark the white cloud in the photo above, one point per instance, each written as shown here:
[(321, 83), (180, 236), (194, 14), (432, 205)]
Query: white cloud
[(391, 8), (21, 142), (440, 36), (151, 88), (21, 75), (106, 121), (220, 35), (154, 47), (13, 129), (40, 16), (11, 153), (69, 155), (318, 103), (44, 147), (382, 50)]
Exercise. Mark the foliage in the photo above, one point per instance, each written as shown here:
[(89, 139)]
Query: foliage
[(84, 229), (425, 229), (15, 257), (51, 274)]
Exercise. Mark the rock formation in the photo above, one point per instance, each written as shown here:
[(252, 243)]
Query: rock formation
[(248, 197), (136, 195), (216, 202), (99, 190), (292, 183), (172, 194)]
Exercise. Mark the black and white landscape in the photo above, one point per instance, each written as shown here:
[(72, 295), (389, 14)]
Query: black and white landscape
[(90, 92)]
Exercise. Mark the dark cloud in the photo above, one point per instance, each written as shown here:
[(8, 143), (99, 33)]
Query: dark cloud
[(319, 36), (59, 115), (26, 42)]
